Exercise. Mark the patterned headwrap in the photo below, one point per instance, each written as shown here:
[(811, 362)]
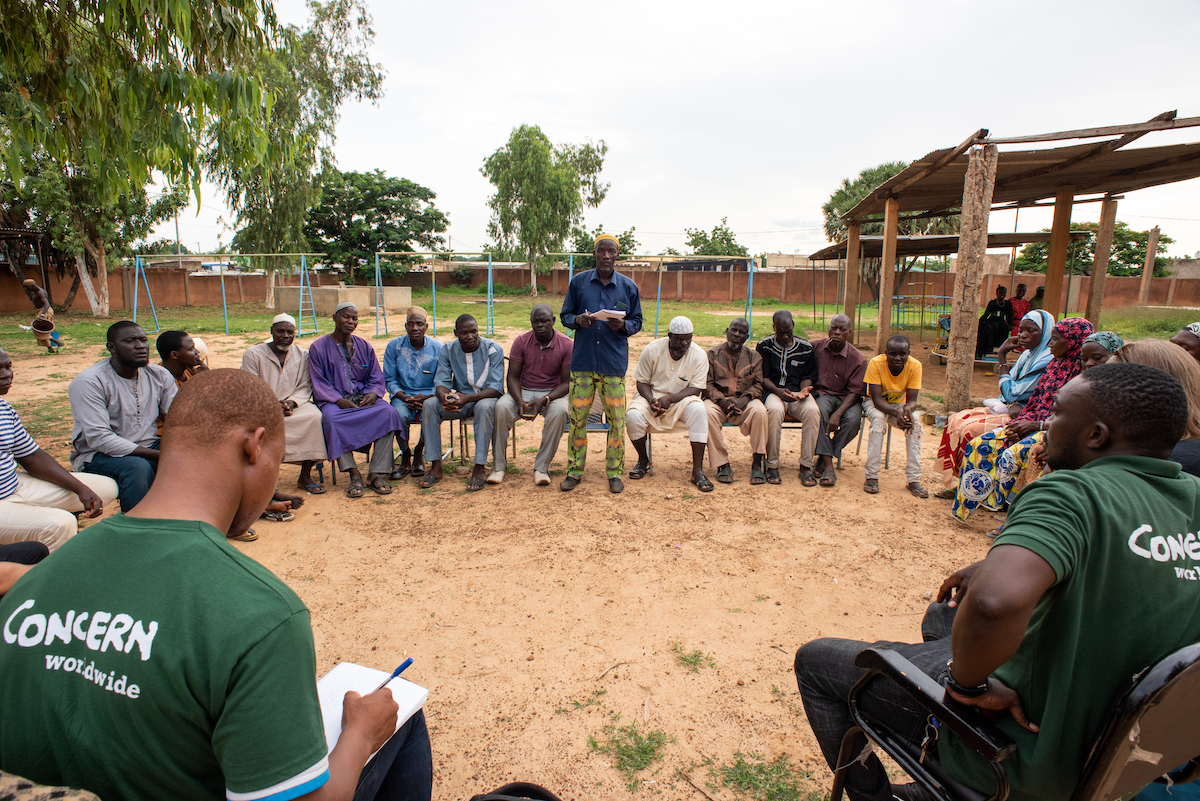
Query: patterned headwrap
[(1074, 330), (1194, 328), (1109, 340)]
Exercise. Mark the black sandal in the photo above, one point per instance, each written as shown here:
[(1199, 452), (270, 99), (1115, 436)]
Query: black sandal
[(702, 483), (773, 476), (640, 471)]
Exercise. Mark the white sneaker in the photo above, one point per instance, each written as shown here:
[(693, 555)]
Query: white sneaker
[(541, 479), (496, 478)]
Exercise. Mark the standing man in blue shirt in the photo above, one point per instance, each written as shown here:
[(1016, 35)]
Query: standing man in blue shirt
[(409, 364), (600, 357)]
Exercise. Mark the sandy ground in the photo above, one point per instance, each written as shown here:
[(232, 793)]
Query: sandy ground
[(521, 603)]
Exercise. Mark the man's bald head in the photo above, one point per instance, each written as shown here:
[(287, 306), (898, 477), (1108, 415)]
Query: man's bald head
[(782, 316), (840, 320), (214, 403)]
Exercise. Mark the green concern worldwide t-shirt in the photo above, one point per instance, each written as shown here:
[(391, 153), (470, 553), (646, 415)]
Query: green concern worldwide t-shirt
[(149, 659), (1123, 537)]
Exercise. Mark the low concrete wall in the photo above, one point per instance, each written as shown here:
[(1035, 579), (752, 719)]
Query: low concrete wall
[(396, 299)]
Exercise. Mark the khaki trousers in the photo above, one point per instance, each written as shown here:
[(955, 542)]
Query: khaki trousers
[(752, 423), (807, 412)]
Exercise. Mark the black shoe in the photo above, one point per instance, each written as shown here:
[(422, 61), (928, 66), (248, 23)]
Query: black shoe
[(615, 485), (569, 483), (910, 792), (725, 474)]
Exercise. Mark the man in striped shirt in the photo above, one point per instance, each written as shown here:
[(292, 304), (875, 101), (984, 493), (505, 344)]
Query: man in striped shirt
[(39, 501), (789, 371)]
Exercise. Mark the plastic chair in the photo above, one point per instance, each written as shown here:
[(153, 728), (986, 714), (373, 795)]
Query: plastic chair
[(1152, 727)]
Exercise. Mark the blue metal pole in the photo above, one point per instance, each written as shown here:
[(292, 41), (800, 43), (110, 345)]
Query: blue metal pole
[(750, 298), (570, 268), (658, 301), (491, 326), (137, 273), (224, 305), (433, 285), (149, 297), (377, 291)]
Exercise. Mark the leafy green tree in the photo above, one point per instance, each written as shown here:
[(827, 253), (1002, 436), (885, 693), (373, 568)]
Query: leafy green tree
[(74, 207), (311, 72), (162, 247), (541, 191), (721, 242), (118, 90), (583, 242), (850, 193), (362, 214), (1128, 256), (670, 252)]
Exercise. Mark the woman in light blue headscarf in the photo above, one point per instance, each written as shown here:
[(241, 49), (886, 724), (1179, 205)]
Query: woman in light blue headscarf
[(1016, 385)]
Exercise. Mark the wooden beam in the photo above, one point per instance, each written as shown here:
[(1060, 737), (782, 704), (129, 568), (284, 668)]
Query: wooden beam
[(1091, 133), (1144, 168), (853, 280), (1148, 269), (1104, 238), (930, 169), (887, 273), (1098, 150), (1056, 259), (978, 184)]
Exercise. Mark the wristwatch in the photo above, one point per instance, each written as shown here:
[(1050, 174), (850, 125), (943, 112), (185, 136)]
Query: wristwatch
[(960, 689)]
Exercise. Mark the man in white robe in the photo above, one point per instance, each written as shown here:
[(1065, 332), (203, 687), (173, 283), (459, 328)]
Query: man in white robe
[(283, 366)]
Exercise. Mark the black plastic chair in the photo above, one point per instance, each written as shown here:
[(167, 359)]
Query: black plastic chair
[(1151, 730)]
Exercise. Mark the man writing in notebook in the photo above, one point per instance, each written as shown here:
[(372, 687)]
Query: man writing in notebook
[(193, 676)]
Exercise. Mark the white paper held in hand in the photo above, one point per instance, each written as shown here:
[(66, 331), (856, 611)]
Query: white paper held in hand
[(609, 314), (333, 686)]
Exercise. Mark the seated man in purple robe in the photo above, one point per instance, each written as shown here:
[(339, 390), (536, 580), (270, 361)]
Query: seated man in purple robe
[(348, 386)]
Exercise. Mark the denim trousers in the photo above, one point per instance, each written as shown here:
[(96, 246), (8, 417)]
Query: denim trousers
[(403, 768), (825, 672)]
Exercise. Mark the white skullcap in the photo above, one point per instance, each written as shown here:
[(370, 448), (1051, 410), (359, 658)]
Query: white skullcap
[(345, 304), (284, 318), (681, 325), (201, 349)]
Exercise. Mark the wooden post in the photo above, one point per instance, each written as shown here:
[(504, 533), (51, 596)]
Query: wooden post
[(850, 307), (1104, 238), (1148, 270), (1171, 291), (978, 185), (887, 272), (1056, 259)]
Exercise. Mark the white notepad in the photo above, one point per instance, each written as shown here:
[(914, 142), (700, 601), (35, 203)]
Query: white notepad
[(346, 676)]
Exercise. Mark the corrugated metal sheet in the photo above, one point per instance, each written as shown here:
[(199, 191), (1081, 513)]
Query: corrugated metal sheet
[(1114, 172)]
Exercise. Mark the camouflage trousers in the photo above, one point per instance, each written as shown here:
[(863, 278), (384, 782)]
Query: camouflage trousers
[(584, 386)]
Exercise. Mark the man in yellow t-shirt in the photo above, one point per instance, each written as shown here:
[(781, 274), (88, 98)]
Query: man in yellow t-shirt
[(893, 382)]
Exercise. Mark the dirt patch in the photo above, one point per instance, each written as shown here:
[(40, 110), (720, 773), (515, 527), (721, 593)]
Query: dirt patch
[(519, 600)]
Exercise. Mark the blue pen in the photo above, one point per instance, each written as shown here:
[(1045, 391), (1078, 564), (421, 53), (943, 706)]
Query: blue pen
[(403, 666)]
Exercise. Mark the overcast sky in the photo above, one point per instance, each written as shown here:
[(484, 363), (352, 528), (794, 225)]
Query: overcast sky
[(753, 111)]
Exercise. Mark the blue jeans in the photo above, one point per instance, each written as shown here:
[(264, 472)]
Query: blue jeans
[(133, 475), (825, 672), (407, 418), (403, 768)]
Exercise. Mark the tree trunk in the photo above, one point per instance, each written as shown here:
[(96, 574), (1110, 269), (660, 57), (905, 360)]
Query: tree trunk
[(532, 275), (66, 304), (96, 251), (269, 301), (85, 280)]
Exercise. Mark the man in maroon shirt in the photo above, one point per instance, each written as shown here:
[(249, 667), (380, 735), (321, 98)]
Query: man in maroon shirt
[(539, 374), (839, 392)]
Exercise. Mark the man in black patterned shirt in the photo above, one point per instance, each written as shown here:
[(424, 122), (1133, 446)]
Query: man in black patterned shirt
[(789, 372)]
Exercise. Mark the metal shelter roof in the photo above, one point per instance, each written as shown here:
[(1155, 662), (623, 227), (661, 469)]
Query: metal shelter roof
[(1024, 177), (932, 245)]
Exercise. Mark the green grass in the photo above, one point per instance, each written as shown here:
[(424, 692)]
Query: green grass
[(632, 750), (692, 660), (1134, 323), (576, 705), (751, 777)]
